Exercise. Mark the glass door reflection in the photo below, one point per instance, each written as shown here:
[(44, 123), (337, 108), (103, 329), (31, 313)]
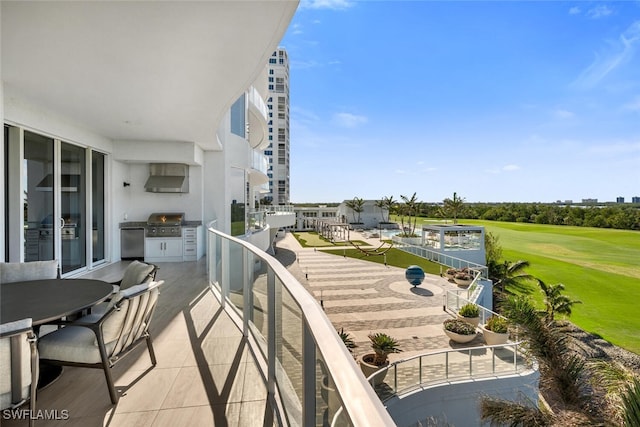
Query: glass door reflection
[(97, 206), (73, 207), (39, 225)]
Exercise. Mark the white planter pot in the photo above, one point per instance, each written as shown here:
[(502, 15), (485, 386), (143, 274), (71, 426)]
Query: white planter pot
[(494, 338), (471, 320), (461, 339), (369, 369), (462, 283)]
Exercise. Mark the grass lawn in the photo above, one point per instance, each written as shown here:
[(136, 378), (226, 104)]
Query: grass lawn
[(394, 257), (600, 267), (311, 239)]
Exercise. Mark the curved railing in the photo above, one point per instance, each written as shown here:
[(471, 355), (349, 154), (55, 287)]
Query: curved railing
[(311, 376), (445, 366), (439, 257)]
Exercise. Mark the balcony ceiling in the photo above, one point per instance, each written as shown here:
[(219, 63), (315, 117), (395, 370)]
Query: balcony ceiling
[(154, 71)]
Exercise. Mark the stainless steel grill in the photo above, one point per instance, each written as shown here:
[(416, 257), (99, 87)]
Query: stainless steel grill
[(164, 224)]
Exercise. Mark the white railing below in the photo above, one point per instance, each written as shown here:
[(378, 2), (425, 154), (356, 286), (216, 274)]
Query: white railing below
[(446, 366), (439, 257)]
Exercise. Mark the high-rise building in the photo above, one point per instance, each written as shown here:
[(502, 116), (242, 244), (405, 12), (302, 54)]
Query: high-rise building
[(278, 123), (635, 199), (619, 199)]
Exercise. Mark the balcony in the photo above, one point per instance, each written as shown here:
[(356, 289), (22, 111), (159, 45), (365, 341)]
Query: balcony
[(246, 342)]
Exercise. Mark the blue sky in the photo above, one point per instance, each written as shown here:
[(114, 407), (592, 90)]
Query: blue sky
[(498, 101)]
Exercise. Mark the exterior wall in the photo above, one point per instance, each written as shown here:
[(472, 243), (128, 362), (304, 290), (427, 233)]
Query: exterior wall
[(305, 215), (458, 404), (371, 216)]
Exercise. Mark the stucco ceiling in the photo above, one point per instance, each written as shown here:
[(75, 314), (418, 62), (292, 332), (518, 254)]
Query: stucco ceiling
[(146, 70)]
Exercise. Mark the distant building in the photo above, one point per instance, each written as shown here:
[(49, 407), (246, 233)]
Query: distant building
[(278, 124), (620, 199), (370, 217), (589, 201), (635, 199)]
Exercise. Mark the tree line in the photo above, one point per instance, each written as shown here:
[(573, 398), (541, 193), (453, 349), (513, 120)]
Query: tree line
[(624, 217)]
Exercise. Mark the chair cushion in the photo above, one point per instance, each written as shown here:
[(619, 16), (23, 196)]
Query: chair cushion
[(136, 273), (5, 362), (35, 270), (71, 344)]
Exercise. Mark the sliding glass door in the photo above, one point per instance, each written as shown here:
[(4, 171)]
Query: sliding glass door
[(73, 207), (97, 206), (40, 230), (55, 204)]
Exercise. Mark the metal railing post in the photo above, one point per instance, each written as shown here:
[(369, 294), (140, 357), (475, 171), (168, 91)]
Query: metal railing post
[(308, 377), (395, 378), (446, 365)]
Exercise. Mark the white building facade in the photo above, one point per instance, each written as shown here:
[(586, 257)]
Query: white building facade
[(278, 123)]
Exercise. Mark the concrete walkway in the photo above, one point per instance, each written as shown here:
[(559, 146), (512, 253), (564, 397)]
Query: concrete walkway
[(363, 297)]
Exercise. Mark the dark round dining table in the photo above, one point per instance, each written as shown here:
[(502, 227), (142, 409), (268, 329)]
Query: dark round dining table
[(50, 299)]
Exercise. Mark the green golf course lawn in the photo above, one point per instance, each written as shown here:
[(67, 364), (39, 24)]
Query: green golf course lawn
[(600, 267)]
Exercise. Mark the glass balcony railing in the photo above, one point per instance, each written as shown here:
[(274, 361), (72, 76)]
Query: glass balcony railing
[(309, 372)]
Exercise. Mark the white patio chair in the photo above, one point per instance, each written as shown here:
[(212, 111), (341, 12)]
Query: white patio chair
[(99, 341), (34, 270), (18, 366), (137, 272)]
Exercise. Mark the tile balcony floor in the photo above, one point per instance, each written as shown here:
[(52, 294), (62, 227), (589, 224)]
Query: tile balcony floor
[(206, 374)]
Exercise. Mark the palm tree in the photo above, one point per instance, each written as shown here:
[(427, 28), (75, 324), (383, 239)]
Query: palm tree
[(412, 207), (555, 301), (380, 205), (357, 206), (510, 276), (548, 344), (454, 206), (389, 204), (622, 390), (631, 404)]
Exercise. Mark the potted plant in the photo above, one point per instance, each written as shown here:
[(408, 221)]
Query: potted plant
[(451, 272), (327, 388), (496, 330), (382, 345), (470, 313), (347, 340), (463, 279), (459, 331)]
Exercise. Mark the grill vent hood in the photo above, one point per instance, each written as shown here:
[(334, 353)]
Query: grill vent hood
[(168, 178)]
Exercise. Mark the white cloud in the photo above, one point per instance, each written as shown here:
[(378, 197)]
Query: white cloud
[(620, 52), (326, 4), (633, 106), (599, 12), (510, 168), (616, 148), (303, 116), (563, 114), (296, 29), (302, 65), (575, 11), (349, 120)]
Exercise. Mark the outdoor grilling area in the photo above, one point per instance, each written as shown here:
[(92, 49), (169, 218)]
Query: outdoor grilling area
[(164, 237)]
